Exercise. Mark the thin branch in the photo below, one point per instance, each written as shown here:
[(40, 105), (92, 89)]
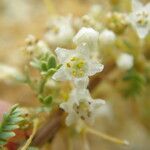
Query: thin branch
[(49, 129)]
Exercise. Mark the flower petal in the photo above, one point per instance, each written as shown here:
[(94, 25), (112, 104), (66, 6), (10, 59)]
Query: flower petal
[(136, 5), (83, 50), (63, 54), (71, 118), (81, 83), (61, 75), (94, 68), (142, 32)]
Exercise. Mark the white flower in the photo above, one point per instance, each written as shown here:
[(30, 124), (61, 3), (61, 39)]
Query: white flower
[(87, 35), (125, 61), (60, 31), (140, 18), (107, 37), (76, 64), (81, 106)]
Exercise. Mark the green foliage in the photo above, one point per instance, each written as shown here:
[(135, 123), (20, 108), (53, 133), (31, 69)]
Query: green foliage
[(135, 81), (47, 100), (46, 64), (9, 123)]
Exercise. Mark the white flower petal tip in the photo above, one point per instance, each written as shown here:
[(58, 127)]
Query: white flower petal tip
[(95, 68), (101, 101), (62, 54), (60, 75), (125, 61)]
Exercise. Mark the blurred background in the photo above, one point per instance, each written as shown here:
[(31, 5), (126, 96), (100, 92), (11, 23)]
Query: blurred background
[(125, 118)]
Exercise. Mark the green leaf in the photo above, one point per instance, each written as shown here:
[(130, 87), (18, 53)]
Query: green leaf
[(44, 66), (48, 100), (16, 119), (51, 62), (3, 142), (6, 135), (10, 123), (10, 127)]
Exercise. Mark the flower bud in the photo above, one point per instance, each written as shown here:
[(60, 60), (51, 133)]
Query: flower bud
[(125, 61)]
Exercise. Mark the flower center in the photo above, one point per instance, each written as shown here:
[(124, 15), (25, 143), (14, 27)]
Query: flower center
[(142, 18), (83, 110), (77, 67)]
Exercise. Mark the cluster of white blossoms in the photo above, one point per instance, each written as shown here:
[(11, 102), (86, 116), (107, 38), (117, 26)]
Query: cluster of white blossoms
[(140, 18), (59, 27), (35, 47), (77, 66)]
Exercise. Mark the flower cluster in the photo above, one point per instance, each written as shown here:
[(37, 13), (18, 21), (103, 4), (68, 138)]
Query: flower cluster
[(77, 66), (57, 28), (35, 47)]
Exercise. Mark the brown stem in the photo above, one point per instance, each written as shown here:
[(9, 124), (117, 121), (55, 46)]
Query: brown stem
[(49, 129)]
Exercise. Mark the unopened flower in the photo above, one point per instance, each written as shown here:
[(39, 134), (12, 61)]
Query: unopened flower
[(125, 61), (36, 47), (117, 22), (60, 31), (107, 37), (81, 106), (76, 64), (140, 18), (87, 35), (90, 22)]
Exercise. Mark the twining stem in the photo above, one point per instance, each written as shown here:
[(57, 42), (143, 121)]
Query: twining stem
[(35, 125), (107, 137)]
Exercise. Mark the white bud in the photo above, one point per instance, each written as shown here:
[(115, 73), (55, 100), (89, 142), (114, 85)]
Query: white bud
[(125, 61), (42, 46), (107, 37), (30, 39), (86, 35)]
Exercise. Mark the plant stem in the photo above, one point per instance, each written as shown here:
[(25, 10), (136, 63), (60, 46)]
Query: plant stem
[(49, 129), (107, 137), (35, 125)]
